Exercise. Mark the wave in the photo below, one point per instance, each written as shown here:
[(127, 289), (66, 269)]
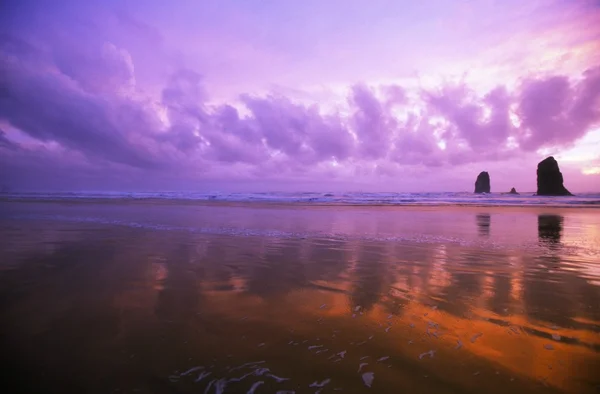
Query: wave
[(345, 198)]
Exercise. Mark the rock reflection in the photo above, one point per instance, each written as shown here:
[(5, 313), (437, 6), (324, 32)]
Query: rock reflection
[(483, 224), (543, 296), (550, 228)]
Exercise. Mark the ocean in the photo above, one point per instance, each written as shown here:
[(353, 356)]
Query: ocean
[(349, 198)]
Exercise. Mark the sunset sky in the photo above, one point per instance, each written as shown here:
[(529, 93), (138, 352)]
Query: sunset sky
[(265, 95)]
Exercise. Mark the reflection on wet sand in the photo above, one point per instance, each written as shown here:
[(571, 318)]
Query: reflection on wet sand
[(483, 224), (542, 291), (117, 309), (550, 228)]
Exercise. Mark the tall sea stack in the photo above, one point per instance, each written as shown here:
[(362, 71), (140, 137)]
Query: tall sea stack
[(482, 184), (550, 179)]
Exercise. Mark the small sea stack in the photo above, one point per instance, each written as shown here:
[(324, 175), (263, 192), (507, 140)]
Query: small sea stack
[(482, 184), (550, 179), (513, 191)]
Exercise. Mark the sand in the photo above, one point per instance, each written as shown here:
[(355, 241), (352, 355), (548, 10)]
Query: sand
[(244, 298)]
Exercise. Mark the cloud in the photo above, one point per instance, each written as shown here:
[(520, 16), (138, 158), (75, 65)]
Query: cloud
[(556, 112), (372, 123), (298, 131), (467, 118), (184, 92), (84, 96), (416, 144), (49, 106), (6, 143), (97, 69)]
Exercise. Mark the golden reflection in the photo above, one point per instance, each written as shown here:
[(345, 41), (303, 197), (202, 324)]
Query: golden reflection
[(516, 281), (504, 340), (440, 278), (517, 348)]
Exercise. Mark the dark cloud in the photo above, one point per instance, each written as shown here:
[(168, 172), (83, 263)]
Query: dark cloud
[(84, 97), (543, 111), (556, 112), (585, 111), (6, 143), (298, 131), (372, 123), (282, 124), (416, 144), (98, 69), (12, 45), (49, 107), (227, 119), (184, 92), (467, 117)]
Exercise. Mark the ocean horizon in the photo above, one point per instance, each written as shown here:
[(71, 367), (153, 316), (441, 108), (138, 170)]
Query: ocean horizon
[(588, 200)]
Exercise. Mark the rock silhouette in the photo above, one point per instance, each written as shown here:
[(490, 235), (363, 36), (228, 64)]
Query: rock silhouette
[(550, 179), (482, 184), (513, 191)]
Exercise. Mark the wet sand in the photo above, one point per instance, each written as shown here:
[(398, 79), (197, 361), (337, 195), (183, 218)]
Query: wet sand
[(181, 298)]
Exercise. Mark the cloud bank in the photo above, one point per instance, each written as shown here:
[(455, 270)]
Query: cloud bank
[(77, 105)]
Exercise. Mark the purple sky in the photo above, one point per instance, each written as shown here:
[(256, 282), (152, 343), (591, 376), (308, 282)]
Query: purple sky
[(252, 95)]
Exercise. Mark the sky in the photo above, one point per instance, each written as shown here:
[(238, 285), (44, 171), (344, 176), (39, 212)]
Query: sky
[(313, 95)]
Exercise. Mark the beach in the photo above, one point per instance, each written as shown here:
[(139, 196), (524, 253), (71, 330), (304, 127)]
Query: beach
[(289, 197), (161, 296)]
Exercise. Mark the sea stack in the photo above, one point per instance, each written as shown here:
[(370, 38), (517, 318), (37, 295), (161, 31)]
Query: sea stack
[(550, 179), (482, 184), (513, 191)]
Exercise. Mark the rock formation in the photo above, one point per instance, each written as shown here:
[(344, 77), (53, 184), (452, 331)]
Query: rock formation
[(482, 184), (550, 179), (513, 191)]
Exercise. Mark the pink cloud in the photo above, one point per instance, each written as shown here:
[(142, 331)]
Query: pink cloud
[(86, 88), (465, 113), (556, 112)]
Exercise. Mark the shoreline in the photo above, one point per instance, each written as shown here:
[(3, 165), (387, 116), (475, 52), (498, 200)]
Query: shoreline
[(303, 204)]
